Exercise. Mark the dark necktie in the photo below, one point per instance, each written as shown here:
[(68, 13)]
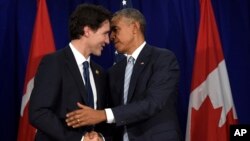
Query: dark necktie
[(90, 100)]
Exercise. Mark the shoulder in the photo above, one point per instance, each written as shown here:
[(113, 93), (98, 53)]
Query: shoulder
[(158, 52), (54, 59), (162, 57), (57, 54)]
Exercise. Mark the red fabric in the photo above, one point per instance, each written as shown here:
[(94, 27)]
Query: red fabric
[(203, 123), (208, 48), (42, 43)]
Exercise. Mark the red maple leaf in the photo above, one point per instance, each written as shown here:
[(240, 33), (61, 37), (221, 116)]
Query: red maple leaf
[(205, 123)]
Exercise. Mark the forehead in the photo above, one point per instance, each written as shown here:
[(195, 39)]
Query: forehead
[(118, 21)]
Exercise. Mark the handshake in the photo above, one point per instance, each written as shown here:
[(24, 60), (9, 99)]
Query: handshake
[(93, 136), (85, 116)]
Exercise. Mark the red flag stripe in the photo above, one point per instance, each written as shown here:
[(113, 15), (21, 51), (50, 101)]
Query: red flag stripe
[(211, 109), (208, 49), (42, 43), (42, 40)]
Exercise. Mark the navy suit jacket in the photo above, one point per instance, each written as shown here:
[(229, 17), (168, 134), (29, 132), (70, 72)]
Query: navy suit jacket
[(58, 86), (150, 112)]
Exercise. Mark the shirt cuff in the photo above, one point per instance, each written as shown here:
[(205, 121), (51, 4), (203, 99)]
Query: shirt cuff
[(100, 135), (109, 115), (82, 138)]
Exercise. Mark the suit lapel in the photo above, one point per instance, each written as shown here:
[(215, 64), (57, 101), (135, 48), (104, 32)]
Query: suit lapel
[(119, 77), (96, 74), (73, 67), (140, 63)]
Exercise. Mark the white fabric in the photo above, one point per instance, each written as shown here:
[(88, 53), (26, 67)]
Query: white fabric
[(79, 60)]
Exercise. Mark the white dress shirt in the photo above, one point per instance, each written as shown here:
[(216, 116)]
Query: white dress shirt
[(79, 60)]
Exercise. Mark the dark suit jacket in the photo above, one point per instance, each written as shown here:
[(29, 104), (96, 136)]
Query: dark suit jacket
[(150, 113), (58, 86)]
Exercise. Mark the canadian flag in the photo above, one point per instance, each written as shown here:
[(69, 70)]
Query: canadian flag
[(42, 43), (211, 109)]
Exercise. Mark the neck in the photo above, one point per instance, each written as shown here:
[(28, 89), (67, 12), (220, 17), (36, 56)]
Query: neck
[(137, 43), (81, 47)]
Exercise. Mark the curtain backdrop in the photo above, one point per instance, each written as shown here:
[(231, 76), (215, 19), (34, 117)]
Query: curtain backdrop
[(171, 24)]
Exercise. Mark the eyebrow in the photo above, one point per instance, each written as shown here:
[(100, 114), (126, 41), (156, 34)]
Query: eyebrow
[(113, 27)]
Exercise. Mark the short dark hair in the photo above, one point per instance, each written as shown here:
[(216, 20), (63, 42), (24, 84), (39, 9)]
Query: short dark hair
[(87, 15)]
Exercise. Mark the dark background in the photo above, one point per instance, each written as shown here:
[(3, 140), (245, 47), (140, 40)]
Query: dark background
[(171, 24)]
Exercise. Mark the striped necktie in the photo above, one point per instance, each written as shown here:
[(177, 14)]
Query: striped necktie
[(128, 72)]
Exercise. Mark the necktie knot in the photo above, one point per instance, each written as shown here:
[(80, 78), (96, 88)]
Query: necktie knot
[(86, 64), (131, 60)]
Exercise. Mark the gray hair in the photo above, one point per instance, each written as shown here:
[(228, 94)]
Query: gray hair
[(133, 15)]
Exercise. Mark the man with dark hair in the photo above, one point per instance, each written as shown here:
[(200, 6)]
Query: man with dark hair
[(67, 78), (143, 86)]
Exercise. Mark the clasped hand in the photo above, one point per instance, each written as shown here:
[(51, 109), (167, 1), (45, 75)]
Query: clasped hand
[(92, 136), (84, 116)]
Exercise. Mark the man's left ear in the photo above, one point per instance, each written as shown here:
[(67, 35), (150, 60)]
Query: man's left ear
[(86, 31)]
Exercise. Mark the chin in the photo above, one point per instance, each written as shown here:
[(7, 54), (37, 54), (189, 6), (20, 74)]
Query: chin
[(98, 54), (120, 51), (117, 49)]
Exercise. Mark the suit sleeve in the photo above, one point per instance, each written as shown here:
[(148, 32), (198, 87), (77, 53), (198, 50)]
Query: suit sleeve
[(44, 100), (161, 88)]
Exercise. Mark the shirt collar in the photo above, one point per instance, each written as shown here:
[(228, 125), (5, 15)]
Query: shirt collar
[(78, 56), (136, 53)]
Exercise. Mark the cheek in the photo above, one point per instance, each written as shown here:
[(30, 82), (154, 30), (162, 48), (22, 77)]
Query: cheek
[(122, 39), (120, 47), (98, 41)]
